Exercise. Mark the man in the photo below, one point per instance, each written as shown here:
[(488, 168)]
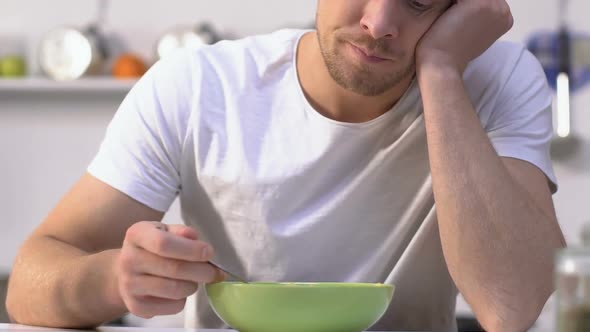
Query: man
[(318, 156)]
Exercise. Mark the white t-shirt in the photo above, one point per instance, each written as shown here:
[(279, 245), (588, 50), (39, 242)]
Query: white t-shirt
[(285, 194)]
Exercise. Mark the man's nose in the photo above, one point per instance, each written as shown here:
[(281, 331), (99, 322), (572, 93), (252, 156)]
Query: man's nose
[(380, 20)]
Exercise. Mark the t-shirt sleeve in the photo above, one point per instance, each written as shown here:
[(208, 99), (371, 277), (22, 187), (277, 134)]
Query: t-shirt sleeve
[(521, 125), (141, 151)]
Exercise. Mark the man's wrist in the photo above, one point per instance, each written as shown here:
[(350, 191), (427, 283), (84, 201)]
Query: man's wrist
[(114, 295), (436, 69)]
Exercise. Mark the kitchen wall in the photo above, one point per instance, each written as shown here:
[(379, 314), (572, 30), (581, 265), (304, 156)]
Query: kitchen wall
[(139, 23), (47, 143)]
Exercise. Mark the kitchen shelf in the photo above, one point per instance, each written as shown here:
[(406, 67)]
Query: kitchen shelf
[(87, 85)]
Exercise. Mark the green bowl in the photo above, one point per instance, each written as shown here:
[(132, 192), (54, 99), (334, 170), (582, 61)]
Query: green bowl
[(299, 307)]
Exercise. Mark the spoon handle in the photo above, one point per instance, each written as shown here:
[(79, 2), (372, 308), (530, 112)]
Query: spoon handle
[(163, 227), (235, 276)]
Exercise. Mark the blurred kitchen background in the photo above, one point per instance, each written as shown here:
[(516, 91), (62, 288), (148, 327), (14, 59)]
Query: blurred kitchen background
[(54, 109)]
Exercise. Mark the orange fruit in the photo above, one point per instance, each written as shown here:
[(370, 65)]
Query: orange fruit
[(129, 66)]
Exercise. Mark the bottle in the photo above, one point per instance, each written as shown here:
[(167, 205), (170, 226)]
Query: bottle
[(572, 286)]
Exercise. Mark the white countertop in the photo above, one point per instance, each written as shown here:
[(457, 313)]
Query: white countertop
[(23, 328)]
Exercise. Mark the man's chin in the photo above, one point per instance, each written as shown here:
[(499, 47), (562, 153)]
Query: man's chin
[(372, 85), (365, 88)]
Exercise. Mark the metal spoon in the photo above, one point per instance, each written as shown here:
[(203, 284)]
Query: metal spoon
[(164, 227), (231, 274)]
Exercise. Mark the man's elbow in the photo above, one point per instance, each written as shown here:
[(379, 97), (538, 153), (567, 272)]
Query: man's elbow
[(18, 307), (12, 303), (10, 309), (518, 316), (502, 323), (11, 319)]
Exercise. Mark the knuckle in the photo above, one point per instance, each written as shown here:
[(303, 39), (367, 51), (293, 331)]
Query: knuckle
[(210, 251), (181, 289), (126, 260), (202, 252), (177, 289), (161, 243), (174, 269), (125, 283), (134, 231)]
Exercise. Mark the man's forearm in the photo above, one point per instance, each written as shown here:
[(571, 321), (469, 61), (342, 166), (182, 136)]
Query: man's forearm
[(495, 238), (61, 286)]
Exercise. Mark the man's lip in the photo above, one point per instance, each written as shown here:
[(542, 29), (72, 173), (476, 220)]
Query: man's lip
[(368, 53)]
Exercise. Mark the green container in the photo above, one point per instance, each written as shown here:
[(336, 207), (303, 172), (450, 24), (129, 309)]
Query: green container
[(13, 66), (299, 307)]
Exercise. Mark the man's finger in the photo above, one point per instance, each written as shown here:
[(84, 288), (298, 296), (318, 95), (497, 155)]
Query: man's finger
[(165, 288), (152, 264), (184, 231), (168, 244), (148, 307)]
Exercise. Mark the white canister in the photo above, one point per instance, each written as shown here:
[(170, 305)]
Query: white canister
[(68, 53)]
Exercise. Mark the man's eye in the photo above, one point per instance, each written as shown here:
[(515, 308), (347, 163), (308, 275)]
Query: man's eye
[(417, 5)]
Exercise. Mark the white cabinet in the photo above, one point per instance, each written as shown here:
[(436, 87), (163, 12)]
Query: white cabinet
[(49, 132)]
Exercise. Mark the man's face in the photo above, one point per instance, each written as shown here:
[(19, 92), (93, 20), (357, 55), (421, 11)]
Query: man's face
[(368, 45)]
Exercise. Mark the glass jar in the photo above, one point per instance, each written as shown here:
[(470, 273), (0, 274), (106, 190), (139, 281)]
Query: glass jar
[(572, 280)]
